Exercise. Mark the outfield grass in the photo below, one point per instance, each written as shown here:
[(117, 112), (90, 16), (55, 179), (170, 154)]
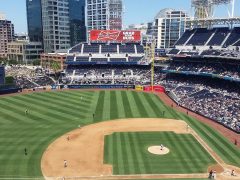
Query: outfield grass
[(127, 152), (52, 114)]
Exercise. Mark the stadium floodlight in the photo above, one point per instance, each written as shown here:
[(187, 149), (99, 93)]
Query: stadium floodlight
[(205, 8)]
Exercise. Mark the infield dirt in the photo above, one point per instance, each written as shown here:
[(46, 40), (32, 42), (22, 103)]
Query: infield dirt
[(83, 148)]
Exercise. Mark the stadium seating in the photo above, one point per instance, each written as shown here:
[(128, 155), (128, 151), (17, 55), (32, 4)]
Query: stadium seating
[(174, 51), (134, 59), (70, 58), (140, 49), (76, 49), (118, 59), (128, 48), (233, 38), (112, 48), (99, 59), (91, 48), (82, 58), (186, 35), (200, 37), (219, 37)]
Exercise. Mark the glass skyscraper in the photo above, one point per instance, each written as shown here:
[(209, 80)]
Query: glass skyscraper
[(34, 20), (77, 21), (62, 22)]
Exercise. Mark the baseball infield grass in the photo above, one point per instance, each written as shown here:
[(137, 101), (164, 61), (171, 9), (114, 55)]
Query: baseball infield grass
[(128, 153), (52, 114)]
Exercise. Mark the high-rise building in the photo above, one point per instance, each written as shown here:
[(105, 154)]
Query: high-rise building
[(6, 36), (62, 22), (77, 21), (104, 14), (34, 20), (170, 24), (56, 30)]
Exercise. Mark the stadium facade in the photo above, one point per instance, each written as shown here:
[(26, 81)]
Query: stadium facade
[(104, 14), (170, 24), (58, 24)]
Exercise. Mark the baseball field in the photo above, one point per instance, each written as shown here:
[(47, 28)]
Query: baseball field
[(31, 122)]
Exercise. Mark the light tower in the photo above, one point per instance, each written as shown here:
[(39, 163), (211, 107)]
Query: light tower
[(205, 8)]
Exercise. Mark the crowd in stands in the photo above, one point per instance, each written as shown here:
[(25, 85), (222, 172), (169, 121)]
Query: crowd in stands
[(100, 74), (227, 70), (214, 98), (28, 77)]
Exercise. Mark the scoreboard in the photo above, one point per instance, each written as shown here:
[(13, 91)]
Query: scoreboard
[(115, 36)]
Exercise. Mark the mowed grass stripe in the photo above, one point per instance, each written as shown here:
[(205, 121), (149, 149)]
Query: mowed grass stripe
[(115, 155), (106, 150), (99, 109), (198, 149), (106, 105), (147, 106), (134, 155), (66, 101), (214, 142), (92, 109), (120, 164), (143, 153), (15, 112), (127, 107), (17, 153), (169, 112), (78, 96), (124, 152), (153, 105), (33, 114), (137, 149), (63, 103), (129, 162), (113, 105), (47, 109), (191, 153), (231, 148), (141, 109), (120, 105), (179, 151), (133, 106)]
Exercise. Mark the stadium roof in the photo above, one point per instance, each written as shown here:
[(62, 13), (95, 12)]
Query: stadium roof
[(162, 13)]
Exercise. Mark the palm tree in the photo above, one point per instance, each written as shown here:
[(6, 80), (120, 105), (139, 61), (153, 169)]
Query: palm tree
[(55, 66)]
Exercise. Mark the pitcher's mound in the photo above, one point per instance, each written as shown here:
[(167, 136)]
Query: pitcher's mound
[(158, 150)]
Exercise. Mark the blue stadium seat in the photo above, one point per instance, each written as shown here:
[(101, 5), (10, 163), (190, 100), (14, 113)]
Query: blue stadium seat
[(112, 48), (140, 49), (118, 59), (70, 58), (92, 48), (99, 59), (219, 37), (128, 48), (82, 59), (134, 59), (76, 49), (200, 37), (184, 37), (233, 38)]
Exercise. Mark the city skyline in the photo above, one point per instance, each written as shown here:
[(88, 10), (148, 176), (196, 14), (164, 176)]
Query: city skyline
[(17, 14)]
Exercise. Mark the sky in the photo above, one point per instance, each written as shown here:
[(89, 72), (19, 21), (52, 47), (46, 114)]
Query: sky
[(135, 11)]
